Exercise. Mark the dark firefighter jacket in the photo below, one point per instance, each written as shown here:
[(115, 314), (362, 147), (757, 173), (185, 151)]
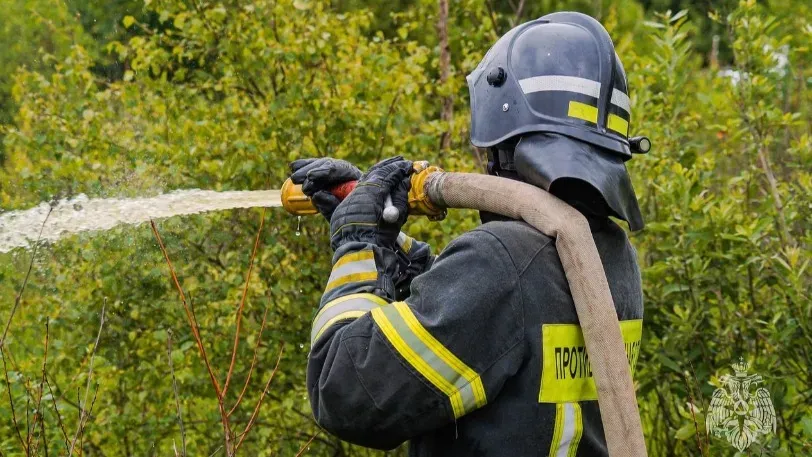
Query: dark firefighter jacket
[(483, 358)]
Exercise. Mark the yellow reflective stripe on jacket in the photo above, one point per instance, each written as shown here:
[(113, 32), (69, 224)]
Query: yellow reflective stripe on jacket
[(346, 307), (569, 426), (357, 277), (354, 257), (353, 267), (430, 358), (566, 374), (405, 242)]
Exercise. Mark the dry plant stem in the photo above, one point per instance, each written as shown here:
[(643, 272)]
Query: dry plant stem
[(177, 397), (306, 446), (242, 304), (189, 317), (706, 441), (253, 364), (58, 415), (83, 414), (261, 397), (693, 414), (518, 10), (19, 296), (776, 194), (496, 31), (38, 415), (83, 424), (445, 66), (44, 437), (11, 402), (196, 334)]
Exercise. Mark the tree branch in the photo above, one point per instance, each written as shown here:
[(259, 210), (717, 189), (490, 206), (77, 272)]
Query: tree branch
[(192, 321), (177, 397), (253, 362), (242, 304), (261, 397), (11, 402), (83, 415), (445, 70), (19, 296)]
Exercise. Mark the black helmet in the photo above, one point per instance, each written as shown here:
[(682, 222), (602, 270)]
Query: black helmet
[(550, 101)]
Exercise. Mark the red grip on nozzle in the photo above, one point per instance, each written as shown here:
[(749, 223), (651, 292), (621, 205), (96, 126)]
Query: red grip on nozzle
[(342, 190)]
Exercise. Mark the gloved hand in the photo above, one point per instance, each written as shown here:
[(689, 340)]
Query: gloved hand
[(318, 176), (359, 217)]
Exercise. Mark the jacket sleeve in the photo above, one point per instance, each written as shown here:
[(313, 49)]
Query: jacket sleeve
[(382, 372)]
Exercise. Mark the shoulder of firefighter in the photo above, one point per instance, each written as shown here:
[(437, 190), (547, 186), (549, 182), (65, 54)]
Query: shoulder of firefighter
[(483, 355)]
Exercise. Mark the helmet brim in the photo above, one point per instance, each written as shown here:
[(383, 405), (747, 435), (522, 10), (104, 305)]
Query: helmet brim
[(541, 159)]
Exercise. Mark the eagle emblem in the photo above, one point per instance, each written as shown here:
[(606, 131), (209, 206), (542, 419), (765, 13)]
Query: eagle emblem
[(738, 414)]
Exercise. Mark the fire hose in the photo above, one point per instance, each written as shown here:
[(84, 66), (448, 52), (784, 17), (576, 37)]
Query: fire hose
[(433, 191)]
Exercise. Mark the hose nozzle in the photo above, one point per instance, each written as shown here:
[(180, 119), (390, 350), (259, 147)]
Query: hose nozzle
[(297, 203)]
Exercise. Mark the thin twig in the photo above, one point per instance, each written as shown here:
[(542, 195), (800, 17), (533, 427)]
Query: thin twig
[(11, 402), (518, 10), (83, 424), (38, 411), (25, 281), (692, 406), (44, 436), (496, 30), (189, 316), (306, 447), (253, 363), (385, 125), (447, 111), (216, 451), (27, 424), (242, 304), (82, 413), (58, 415), (261, 397), (177, 397)]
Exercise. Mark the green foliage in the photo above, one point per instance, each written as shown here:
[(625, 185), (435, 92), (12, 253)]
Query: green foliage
[(222, 97)]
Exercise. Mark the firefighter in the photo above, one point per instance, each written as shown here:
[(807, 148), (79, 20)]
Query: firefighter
[(478, 352)]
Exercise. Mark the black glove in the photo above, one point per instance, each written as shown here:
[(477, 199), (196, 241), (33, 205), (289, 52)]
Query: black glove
[(318, 176), (360, 216)]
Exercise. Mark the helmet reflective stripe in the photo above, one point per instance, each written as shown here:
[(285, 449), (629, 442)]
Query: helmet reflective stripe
[(589, 113), (561, 83), (618, 124), (621, 100), (572, 84)]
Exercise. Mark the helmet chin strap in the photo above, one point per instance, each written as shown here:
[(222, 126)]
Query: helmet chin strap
[(500, 162)]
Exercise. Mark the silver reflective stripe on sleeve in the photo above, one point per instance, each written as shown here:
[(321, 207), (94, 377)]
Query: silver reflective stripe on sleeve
[(350, 306), (405, 242), (430, 358)]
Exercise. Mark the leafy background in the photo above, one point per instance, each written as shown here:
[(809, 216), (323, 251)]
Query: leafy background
[(130, 97)]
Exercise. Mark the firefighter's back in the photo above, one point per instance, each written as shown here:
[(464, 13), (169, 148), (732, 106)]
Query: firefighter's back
[(548, 407)]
